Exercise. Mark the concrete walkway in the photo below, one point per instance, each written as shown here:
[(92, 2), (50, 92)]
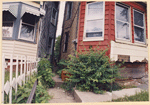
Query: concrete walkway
[(60, 96)]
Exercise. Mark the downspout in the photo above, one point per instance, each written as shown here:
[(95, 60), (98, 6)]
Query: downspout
[(77, 26)]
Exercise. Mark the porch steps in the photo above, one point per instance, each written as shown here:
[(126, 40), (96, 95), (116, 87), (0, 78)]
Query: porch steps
[(58, 81)]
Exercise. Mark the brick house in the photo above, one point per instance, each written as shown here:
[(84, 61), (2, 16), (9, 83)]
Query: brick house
[(119, 26)]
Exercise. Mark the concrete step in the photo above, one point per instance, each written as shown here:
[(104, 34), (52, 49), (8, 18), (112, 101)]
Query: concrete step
[(84, 97), (58, 81)]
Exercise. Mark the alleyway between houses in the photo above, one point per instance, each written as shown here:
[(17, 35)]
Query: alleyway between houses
[(58, 94)]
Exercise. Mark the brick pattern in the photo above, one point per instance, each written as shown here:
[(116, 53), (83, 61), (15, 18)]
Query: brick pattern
[(71, 27)]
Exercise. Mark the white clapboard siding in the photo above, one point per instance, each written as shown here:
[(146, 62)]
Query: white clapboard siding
[(134, 51), (18, 79), (19, 48)]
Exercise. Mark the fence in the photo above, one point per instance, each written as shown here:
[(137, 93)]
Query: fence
[(18, 69)]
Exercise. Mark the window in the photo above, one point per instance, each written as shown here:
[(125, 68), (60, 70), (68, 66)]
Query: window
[(69, 8), (66, 42), (7, 26), (138, 26), (7, 29), (94, 21), (54, 15), (122, 22), (27, 27)]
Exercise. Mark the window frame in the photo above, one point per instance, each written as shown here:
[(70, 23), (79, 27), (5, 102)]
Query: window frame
[(66, 43), (12, 29), (70, 10), (140, 26), (85, 23), (52, 16), (129, 22), (34, 32)]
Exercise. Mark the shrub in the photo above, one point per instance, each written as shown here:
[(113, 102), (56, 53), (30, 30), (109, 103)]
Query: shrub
[(91, 71), (45, 73), (57, 47), (24, 91)]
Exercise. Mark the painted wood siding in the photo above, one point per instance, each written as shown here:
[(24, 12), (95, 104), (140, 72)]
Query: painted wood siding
[(19, 48), (109, 31), (136, 53)]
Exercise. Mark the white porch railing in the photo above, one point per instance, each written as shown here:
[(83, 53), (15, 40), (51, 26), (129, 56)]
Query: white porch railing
[(22, 66)]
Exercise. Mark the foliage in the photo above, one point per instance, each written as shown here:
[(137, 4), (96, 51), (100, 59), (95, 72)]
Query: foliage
[(23, 92), (42, 95), (142, 96), (61, 66), (91, 71), (45, 73), (57, 47)]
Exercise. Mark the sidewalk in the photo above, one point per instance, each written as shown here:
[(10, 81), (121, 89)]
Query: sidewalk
[(60, 96)]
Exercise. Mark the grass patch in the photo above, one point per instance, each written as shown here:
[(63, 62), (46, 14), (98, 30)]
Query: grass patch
[(142, 96)]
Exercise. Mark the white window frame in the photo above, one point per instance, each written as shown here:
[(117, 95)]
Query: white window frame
[(129, 22), (12, 29), (140, 27), (85, 23), (20, 31)]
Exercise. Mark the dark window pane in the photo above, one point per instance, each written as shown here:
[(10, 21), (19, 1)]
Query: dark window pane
[(138, 34), (27, 32), (28, 18), (69, 7), (138, 18), (7, 16), (54, 13), (123, 30), (122, 13), (7, 29), (94, 34)]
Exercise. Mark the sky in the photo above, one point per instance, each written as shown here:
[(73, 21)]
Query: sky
[(60, 18)]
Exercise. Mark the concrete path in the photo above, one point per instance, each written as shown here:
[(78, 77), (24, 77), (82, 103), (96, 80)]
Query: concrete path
[(92, 97), (60, 96), (125, 92)]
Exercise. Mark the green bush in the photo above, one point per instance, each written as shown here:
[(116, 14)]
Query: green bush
[(91, 71), (45, 73), (57, 47), (24, 91)]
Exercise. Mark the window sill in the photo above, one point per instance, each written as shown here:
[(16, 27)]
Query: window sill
[(130, 43), (28, 41), (93, 39)]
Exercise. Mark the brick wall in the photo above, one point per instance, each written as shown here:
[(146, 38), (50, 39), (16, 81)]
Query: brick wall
[(71, 27)]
